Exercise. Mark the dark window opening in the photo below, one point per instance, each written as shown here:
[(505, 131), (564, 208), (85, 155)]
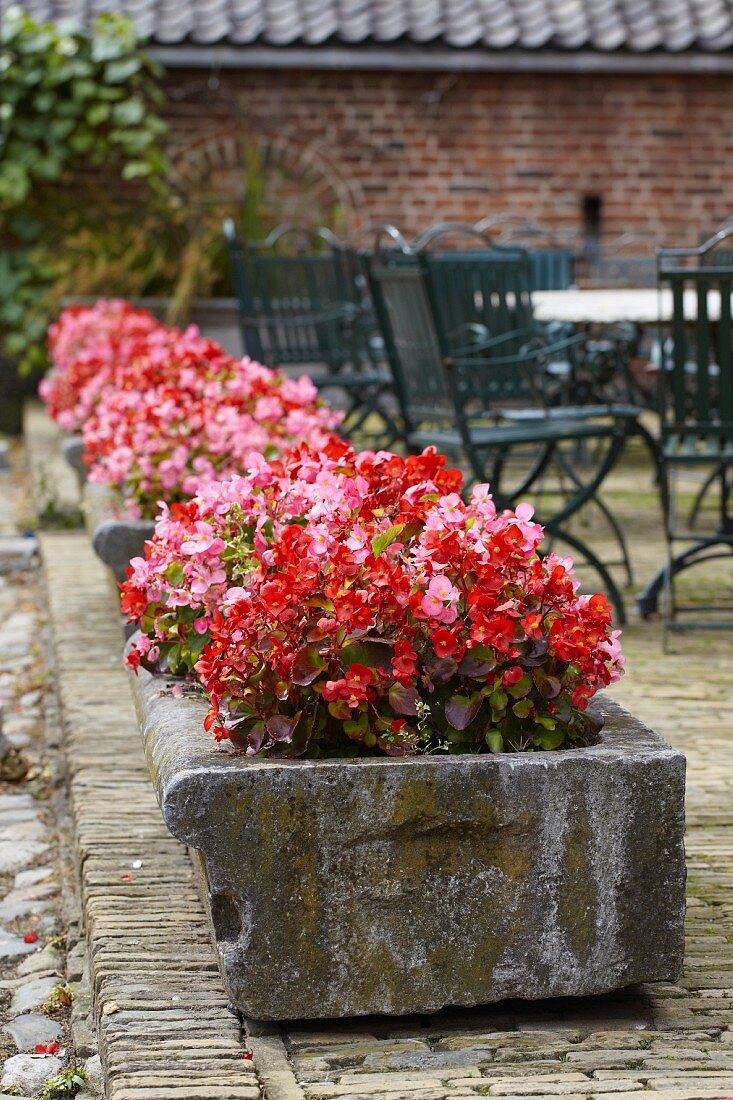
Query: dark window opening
[(591, 226)]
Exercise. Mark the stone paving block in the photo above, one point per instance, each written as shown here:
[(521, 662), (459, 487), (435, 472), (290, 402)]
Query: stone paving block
[(26, 1031), (17, 552), (373, 1084)]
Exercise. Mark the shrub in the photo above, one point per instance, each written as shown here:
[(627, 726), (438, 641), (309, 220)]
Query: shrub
[(80, 125)]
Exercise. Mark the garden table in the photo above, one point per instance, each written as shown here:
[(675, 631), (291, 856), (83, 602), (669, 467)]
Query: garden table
[(642, 306)]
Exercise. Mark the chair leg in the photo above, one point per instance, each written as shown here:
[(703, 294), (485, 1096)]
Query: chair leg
[(595, 563), (648, 600), (605, 512), (498, 462)]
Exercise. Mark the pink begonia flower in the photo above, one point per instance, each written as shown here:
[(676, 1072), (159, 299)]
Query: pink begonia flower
[(440, 599), (452, 509), (319, 540)]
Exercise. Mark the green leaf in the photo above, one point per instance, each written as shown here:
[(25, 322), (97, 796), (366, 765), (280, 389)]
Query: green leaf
[(550, 739), (521, 688), (117, 72), (197, 643), (173, 656), (136, 169), (523, 708), (494, 740), (357, 728), (175, 573), (130, 112), (381, 542), (498, 701), (372, 652), (98, 113), (339, 709)]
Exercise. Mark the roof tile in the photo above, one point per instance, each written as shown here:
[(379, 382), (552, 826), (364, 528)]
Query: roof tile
[(603, 25)]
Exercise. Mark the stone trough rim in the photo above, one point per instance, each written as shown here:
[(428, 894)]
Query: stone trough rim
[(215, 753)]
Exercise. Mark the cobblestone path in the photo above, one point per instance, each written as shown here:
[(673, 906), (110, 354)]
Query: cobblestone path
[(43, 997)]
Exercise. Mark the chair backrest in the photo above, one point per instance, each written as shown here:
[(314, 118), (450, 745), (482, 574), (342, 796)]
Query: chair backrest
[(551, 256), (720, 252), (551, 268), (697, 382), (482, 306), (405, 318), (294, 304), (470, 312), (625, 261)]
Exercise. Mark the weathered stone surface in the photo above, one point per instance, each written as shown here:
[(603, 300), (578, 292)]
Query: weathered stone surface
[(403, 886), (17, 552), (11, 946), (30, 1071), (15, 854), (32, 994), (115, 538), (33, 1028), (72, 447)]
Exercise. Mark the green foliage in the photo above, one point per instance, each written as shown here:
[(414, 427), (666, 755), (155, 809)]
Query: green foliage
[(80, 131), (68, 1083)]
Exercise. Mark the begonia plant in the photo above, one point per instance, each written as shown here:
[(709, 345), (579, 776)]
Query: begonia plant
[(86, 345), (340, 604), (186, 413)]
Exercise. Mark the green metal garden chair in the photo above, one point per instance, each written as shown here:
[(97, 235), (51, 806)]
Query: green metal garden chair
[(300, 307), (478, 396), (696, 405), (551, 259), (484, 295)]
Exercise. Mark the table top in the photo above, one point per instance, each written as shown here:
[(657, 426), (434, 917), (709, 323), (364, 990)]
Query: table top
[(641, 306)]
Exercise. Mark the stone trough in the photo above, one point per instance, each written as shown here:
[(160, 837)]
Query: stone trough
[(72, 447), (116, 539), (342, 888)]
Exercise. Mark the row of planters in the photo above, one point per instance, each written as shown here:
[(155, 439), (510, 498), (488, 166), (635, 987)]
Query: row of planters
[(369, 705)]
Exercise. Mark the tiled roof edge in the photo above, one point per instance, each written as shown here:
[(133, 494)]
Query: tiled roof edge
[(407, 58)]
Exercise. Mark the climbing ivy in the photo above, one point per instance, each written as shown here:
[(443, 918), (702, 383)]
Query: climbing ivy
[(79, 127)]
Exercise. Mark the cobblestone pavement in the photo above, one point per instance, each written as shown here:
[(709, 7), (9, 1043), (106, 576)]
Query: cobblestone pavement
[(670, 1041), (42, 993)]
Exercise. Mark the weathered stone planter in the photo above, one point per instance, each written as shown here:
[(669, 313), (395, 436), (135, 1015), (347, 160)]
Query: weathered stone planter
[(339, 888), (72, 447), (115, 538)]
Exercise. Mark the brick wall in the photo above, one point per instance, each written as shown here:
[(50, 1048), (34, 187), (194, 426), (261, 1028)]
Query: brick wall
[(416, 148)]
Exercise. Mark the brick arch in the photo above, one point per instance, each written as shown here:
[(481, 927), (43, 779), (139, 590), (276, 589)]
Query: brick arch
[(302, 184)]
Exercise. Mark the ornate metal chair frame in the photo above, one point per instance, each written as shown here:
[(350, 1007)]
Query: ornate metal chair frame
[(304, 308), (452, 382), (696, 407)]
